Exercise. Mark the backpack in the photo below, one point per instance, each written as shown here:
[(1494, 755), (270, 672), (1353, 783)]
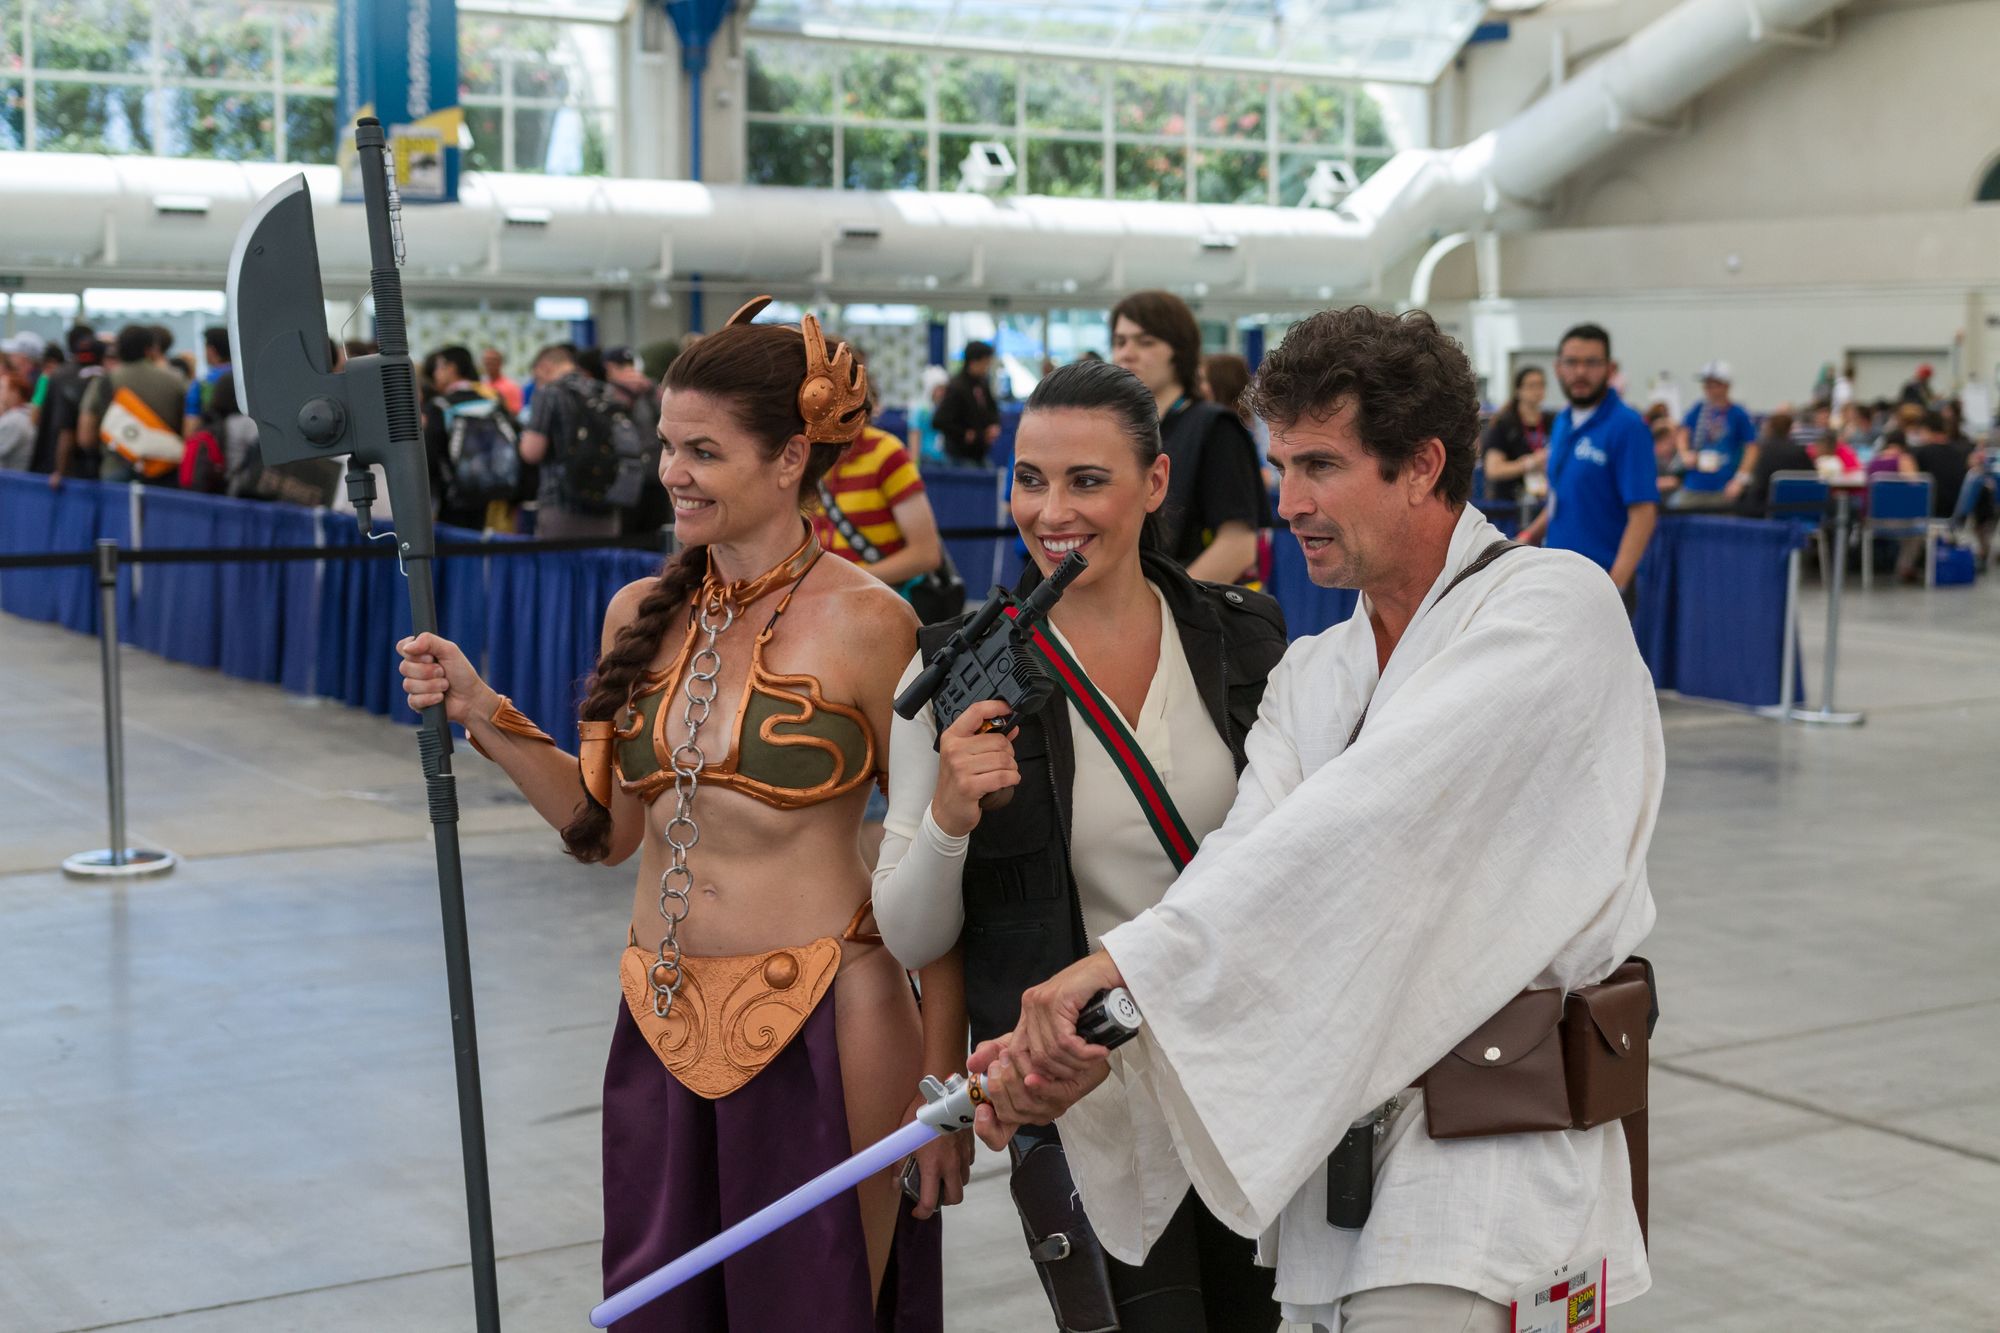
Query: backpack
[(202, 465), (483, 453), (604, 460)]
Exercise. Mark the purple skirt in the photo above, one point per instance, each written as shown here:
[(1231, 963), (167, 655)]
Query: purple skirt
[(679, 1168)]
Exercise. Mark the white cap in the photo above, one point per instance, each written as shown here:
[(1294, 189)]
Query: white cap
[(1716, 370), (23, 344), (935, 377)]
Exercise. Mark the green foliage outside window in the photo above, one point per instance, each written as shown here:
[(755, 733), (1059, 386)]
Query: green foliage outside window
[(882, 85), (976, 91), (884, 159), (488, 139), (1064, 97), (1294, 170), (789, 155), (1149, 101), (309, 135), (1150, 171), (481, 40), (1231, 176), (1314, 113), (101, 36), (13, 116), (311, 46), (1231, 108), (1371, 129), (1158, 116), (1065, 168), (91, 118), (209, 39), (793, 79), (531, 137), (231, 127), (541, 65)]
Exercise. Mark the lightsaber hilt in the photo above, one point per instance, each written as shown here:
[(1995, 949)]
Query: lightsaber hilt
[(1110, 1020)]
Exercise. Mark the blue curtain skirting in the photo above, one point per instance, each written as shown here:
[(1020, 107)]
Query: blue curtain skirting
[(1711, 613), (1711, 600)]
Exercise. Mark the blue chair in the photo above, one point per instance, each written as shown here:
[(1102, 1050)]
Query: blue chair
[(1899, 507), (1804, 496)]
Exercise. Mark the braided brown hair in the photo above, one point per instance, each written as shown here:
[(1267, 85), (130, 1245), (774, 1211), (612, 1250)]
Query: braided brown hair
[(756, 369)]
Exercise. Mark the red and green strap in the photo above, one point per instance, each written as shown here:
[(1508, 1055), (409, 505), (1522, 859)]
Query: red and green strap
[(1176, 840)]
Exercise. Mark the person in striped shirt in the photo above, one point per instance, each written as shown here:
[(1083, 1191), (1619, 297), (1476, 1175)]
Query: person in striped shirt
[(876, 488)]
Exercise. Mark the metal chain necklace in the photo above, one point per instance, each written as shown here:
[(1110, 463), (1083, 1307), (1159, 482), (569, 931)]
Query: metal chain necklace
[(715, 615)]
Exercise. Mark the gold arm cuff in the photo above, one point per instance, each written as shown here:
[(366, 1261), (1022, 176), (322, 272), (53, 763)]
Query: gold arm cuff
[(595, 740), (514, 722)]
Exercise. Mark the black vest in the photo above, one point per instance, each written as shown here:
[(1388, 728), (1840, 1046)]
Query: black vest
[(1023, 914)]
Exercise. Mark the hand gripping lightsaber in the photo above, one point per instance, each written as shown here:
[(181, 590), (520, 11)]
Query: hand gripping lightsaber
[(1110, 1019)]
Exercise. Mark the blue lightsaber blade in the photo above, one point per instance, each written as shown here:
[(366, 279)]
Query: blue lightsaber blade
[(762, 1223), (1110, 1020)]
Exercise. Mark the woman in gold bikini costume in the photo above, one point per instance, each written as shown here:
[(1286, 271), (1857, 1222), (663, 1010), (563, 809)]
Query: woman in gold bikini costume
[(738, 714)]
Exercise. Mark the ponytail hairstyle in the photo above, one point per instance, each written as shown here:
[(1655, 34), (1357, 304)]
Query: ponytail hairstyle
[(1099, 386), (757, 370)]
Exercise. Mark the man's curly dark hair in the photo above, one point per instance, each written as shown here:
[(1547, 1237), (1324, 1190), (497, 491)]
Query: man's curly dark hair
[(1408, 383)]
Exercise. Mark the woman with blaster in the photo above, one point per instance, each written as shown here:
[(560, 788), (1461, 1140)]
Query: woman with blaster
[(1167, 671)]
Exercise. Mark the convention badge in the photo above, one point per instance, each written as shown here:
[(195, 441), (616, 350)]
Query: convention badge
[(1708, 460), (1569, 1300)]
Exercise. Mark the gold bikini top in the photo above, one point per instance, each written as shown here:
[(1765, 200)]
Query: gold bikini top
[(791, 746)]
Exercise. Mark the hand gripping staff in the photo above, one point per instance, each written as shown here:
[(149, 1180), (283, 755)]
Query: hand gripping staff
[(1110, 1019), (367, 411)]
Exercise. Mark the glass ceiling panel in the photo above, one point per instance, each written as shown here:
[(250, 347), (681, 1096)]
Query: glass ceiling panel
[(1394, 41)]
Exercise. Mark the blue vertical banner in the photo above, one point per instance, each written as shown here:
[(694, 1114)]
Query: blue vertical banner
[(399, 63)]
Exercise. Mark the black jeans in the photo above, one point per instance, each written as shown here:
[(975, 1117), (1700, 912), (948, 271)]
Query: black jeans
[(1198, 1276)]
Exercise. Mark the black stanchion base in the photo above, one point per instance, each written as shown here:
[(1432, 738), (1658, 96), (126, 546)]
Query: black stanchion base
[(104, 864)]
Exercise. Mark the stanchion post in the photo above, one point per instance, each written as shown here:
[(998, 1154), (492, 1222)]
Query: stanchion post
[(1825, 714), (117, 860)]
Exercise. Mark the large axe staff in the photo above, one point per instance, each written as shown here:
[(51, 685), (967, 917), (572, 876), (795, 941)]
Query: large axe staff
[(367, 412)]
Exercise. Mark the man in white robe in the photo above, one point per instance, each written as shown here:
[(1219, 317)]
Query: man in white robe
[(1368, 905)]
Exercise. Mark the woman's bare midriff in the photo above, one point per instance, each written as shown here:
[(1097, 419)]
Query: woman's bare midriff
[(763, 877)]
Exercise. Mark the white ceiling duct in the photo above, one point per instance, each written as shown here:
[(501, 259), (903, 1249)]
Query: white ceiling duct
[(101, 216)]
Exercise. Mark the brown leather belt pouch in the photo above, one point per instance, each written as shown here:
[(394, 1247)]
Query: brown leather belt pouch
[(1548, 1061), (1605, 1033), (1506, 1078)]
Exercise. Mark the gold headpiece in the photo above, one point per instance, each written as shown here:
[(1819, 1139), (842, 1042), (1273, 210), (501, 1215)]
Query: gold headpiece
[(834, 398)]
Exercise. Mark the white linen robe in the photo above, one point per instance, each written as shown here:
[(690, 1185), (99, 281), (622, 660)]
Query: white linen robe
[(1362, 910)]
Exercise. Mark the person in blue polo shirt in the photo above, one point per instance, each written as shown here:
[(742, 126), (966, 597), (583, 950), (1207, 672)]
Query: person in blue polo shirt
[(1717, 445), (1604, 487)]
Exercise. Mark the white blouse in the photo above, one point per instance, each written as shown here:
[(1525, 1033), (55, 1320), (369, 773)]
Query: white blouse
[(1120, 867)]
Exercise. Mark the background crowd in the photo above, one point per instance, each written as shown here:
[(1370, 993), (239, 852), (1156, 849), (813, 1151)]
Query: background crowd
[(570, 448)]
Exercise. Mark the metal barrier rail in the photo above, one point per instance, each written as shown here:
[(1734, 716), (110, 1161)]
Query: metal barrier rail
[(120, 861)]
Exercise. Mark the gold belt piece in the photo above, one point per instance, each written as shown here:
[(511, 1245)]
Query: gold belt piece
[(733, 1015)]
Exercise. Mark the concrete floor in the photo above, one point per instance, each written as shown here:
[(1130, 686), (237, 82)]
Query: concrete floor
[(226, 1100)]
